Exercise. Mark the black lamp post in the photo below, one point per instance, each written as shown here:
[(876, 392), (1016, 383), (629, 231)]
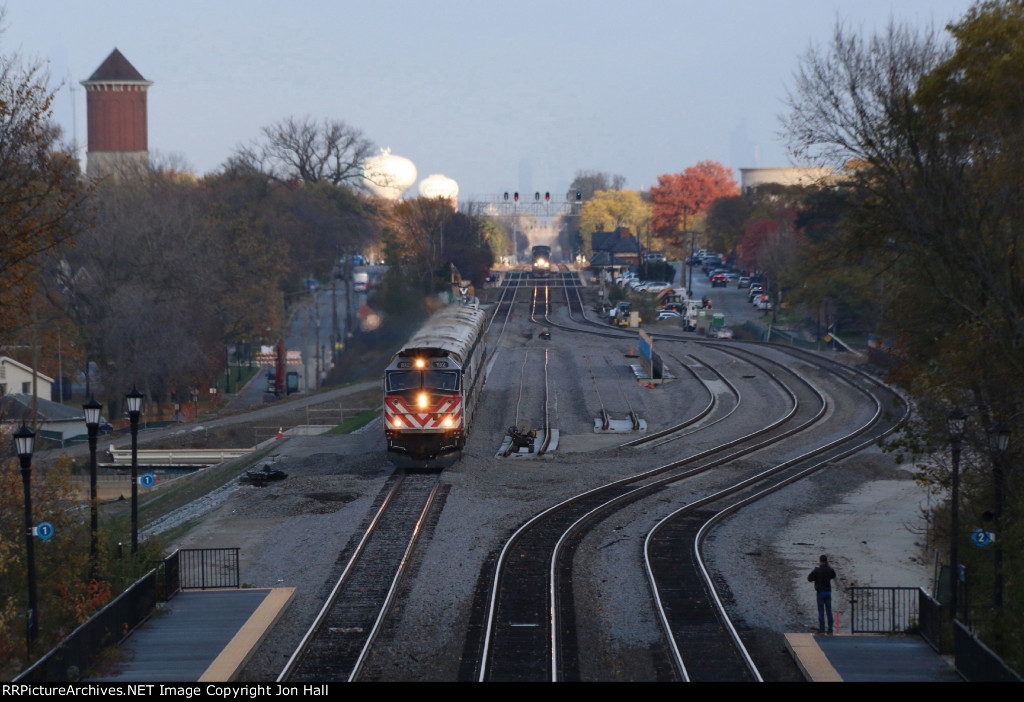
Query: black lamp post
[(92, 423), (998, 441), (134, 402), (24, 443), (956, 421)]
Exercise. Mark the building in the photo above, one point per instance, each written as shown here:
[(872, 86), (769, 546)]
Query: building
[(617, 249), (18, 378), (750, 178), (117, 118)]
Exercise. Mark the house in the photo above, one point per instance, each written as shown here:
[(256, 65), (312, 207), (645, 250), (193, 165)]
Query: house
[(59, 423), (18, 378)]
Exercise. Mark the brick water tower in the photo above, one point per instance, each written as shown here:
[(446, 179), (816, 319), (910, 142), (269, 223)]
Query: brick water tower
[(116, 116)]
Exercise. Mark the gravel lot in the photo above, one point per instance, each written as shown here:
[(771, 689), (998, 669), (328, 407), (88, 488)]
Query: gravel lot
[(865, 513)]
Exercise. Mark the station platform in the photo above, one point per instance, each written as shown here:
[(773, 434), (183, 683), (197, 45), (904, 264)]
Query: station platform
[(198, 636), (209, 636), (868, 658)]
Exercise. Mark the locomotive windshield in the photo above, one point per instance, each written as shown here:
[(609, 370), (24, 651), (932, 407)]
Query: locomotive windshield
[(414, 380), (441, 380)]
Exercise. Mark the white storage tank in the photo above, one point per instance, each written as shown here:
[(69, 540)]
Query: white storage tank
[(387, 175)]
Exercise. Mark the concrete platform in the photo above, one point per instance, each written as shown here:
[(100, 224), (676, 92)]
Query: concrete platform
[(199, 636), (868, 658)]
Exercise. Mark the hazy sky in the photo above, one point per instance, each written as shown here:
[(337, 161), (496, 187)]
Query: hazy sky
[(499, 96)]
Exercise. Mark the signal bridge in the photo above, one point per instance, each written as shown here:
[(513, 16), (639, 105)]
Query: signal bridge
[(536, 204)]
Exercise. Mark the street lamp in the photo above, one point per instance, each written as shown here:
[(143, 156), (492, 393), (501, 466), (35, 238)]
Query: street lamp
[(24, 443), (956, 421), (134, 402), (998, 441), (92, 423)]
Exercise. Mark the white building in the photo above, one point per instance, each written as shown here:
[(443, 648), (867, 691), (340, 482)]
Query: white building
[(750, 178), (18, 378)]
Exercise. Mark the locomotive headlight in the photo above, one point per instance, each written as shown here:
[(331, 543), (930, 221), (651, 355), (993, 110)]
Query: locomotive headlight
[(422, 400), (420, 363), (448, 421), (397, 422)]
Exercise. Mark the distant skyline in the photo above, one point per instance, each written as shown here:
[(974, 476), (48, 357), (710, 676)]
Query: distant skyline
[(498, 97)]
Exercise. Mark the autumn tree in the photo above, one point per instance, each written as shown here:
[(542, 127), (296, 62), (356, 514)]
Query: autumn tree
[(587, 184), (43, 201), (305, 150), (679, 198), (607, 210)]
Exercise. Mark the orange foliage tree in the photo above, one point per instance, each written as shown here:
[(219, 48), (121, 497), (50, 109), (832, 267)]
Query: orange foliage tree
[(679, 197)]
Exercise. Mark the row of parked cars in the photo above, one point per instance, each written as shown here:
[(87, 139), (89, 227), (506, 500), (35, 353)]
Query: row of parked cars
[(632, 281)]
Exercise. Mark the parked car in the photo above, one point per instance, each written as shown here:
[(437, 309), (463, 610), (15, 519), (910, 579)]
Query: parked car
[(720, 333), (743, 282), (654, 287), (669, 314), (755, 291), (763, 304)]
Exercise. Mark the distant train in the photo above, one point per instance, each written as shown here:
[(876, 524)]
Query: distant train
[(540, 261), (431, 388)]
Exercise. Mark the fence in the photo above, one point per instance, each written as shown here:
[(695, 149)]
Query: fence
[(208, 568), (109, 626), (884, 610)]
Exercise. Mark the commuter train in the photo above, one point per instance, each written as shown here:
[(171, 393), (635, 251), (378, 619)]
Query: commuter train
[(431, 387), (540, 261)]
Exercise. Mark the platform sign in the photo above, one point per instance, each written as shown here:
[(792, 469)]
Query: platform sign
[(982, 538), (147, 480), (44, 531)]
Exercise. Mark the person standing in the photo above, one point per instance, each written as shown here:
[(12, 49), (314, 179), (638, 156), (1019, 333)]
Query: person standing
[(822, 577)]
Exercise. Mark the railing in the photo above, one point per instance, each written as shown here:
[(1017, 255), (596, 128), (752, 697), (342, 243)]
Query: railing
[(976, 662), (176, 457), (70, 659), (208, 568), (884, 610)]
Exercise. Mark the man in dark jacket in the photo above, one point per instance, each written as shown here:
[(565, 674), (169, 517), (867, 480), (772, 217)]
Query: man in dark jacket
[(822, 577)]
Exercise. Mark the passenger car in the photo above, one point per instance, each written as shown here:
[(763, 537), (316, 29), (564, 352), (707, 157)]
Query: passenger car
[(720, 333), (743, 282), (719, 280)]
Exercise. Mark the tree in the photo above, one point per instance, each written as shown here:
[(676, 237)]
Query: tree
[(928, 137), (607, 210), (305, 150), (43, 201), (680, 197)]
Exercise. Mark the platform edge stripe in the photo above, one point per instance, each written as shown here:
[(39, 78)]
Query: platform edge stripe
[(812, 661), (242, 645)]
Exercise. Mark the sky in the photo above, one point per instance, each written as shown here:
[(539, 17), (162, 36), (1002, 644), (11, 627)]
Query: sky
[(498, 96)]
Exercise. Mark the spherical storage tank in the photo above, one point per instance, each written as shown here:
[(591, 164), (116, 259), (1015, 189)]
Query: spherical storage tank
[(438, 185), (387, 175)]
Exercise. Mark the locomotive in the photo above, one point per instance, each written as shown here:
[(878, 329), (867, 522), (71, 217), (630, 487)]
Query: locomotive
[(540, 260), (431, 387)]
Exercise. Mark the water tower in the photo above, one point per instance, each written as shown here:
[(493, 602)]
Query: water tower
[(387, 175), (117, 118)]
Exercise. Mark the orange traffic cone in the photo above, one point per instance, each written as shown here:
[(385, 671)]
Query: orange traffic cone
[(280, 433)]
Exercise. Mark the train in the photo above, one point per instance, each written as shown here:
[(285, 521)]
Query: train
[(431, 387), (540, 261)]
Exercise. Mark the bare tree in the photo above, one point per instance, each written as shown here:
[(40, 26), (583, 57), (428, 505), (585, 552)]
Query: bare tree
[(305, 150)]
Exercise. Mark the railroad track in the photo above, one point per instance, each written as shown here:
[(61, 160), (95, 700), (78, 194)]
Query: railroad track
[(336, 645), (531, 633)]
